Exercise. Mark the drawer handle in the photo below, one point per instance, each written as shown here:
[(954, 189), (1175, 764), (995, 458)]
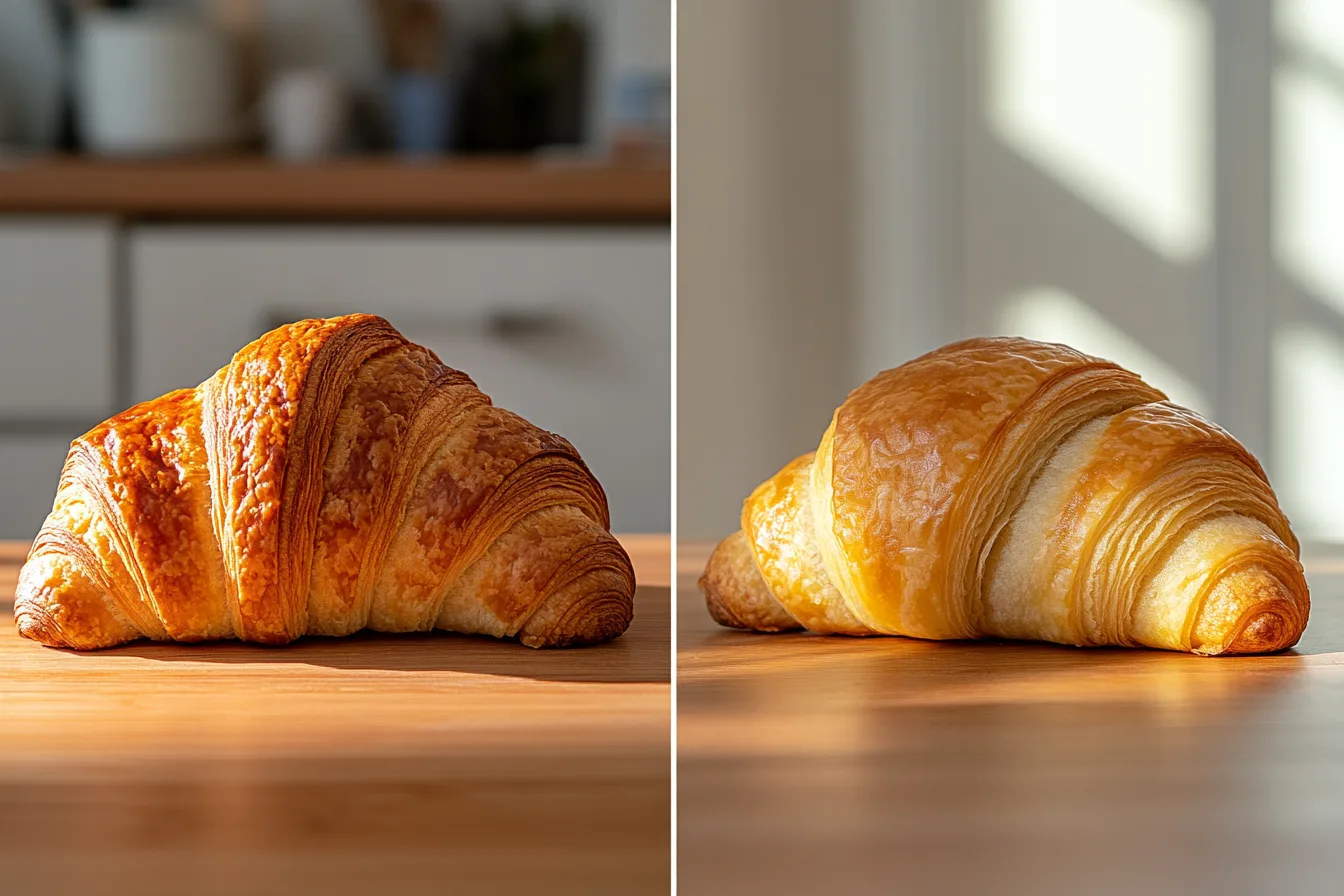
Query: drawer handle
[(503, 324), (522, 324)]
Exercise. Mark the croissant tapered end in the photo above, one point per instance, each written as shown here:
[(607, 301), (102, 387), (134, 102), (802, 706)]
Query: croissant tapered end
[(595, 618), (1267, 632), (37, 625), (596, 606), (1251, 611), (736, 594), (59, 605)]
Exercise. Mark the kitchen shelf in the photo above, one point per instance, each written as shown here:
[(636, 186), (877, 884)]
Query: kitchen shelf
[(375, 188)]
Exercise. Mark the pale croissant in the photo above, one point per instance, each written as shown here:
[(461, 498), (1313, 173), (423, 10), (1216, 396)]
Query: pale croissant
[(1013, 489), (333, 477)]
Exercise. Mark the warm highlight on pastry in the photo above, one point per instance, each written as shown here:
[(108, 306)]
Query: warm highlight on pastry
[(1008, 488), (333, 477)]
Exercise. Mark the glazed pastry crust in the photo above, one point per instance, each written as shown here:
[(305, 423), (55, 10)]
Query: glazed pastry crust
[(1007, 488), (333, 477)]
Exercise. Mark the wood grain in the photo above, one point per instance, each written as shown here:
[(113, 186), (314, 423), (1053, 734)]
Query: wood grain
[(353, 188), (406, 764), (829, 764)]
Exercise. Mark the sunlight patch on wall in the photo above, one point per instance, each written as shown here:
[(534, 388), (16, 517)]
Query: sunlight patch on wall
[(1112, 99), (1052, 315), (1308, 374), (1309, 183), (1315, 25)]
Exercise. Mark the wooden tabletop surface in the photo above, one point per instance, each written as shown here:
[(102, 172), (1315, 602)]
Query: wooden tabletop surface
[(371, 764), (826, 764), (354, 188)]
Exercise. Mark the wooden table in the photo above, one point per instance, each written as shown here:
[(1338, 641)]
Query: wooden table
[(814, 764), (372, 764)]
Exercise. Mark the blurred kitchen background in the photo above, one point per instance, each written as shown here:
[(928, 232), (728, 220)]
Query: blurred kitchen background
[(1160, 182), (177, 177)]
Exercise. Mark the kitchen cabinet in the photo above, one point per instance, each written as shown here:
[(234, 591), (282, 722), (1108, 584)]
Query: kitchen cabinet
[(56, 354), (30, 466), (564, 323), (568, 327), (55, 332)]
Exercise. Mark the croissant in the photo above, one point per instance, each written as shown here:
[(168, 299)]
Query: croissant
[(1005, 488), (333, 477)]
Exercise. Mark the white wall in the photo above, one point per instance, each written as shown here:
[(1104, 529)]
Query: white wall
[(1001, 169), (765, 292), (906, 176)]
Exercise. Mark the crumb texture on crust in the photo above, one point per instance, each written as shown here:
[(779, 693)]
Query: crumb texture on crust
[(1009, 488), (332, 477)]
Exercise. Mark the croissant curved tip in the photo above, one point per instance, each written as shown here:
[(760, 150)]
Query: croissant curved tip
[(35, 625), (596, 618), (1266, 632), (717, 606), (33, 629), (736, 595), (1250, 611)]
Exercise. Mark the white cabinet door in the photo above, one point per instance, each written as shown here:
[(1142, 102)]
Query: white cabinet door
[(568, 327), (30, 468), (55, 319)]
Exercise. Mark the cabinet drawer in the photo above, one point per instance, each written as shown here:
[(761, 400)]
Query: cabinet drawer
[(30, 469), (569, 328), (56, 337)]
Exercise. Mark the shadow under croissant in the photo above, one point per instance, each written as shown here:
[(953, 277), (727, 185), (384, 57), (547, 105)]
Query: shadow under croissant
[(638, 656)]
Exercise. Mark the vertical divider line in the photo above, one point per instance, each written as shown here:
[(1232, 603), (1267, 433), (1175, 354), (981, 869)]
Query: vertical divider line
[(673, 597)]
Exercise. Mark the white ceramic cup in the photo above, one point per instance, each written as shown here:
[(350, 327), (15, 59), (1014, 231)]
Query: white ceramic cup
[(153, 83), (305, 114)]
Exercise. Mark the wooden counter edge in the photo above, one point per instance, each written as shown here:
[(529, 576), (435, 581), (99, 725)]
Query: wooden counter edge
[(342, 189)]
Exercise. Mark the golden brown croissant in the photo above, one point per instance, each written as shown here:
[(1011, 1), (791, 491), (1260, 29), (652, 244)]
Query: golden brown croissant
[(333, 477), (1007, 488)]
